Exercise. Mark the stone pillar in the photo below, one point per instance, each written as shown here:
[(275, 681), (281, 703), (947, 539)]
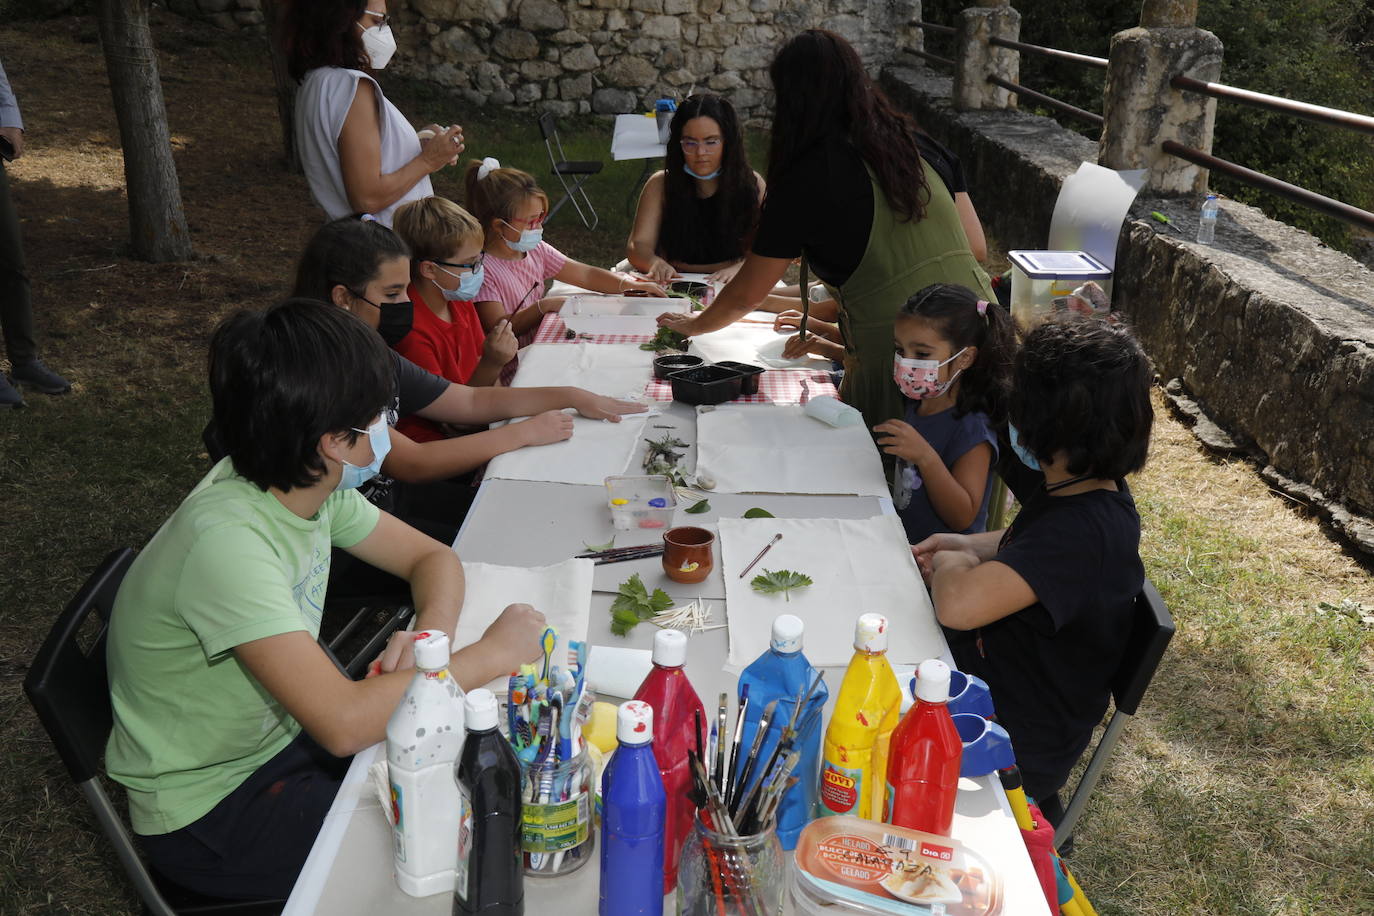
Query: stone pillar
[(1142, 110), (976, 60)]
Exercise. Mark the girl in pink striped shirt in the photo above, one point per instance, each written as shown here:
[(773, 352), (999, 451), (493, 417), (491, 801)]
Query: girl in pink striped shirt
[(511, 208)]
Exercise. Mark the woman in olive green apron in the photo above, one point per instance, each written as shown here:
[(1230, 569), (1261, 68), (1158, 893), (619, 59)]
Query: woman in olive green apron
[(850, 192)]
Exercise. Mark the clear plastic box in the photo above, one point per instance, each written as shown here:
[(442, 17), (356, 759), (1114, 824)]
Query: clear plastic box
[(1039, 277), (634, 502)]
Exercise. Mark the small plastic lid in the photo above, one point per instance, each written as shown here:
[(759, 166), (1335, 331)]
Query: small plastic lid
[(670, 648), (431, 650), (634, 723), (932, 681), (1212, 197), (479, 710), (787, 633), (870, 633)]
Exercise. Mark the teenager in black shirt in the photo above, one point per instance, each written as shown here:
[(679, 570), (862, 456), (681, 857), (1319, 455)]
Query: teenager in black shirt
[(1042, 610)]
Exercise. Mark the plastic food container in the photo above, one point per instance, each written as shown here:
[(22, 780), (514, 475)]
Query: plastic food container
[(663, 365), (851, 865), (751, 373), (706, 385), (1039, 277), (647, 501), (618, 314)]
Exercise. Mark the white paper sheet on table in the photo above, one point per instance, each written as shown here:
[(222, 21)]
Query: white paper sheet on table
[(561, 592), (615, 370), (751, 340), (597, 450), (770, 448), (858, 566)]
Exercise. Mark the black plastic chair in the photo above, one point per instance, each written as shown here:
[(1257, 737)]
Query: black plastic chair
[(563, 169), (66, 685), (1151, 631)]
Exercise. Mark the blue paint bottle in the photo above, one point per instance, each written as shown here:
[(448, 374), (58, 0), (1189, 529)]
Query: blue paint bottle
[(781, 673), (634, 815)]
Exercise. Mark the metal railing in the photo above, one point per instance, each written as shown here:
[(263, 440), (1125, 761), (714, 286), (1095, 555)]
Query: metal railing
[(1049, 101), (1073, 57), (1306, 110)]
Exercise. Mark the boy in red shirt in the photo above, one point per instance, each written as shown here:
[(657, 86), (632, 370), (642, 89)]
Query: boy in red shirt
[(445, 274)]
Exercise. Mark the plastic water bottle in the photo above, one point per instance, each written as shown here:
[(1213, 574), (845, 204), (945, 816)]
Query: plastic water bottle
[(923, 772), (1207, 221), (677, 709), (782, 673), (424, 737), (490, 875), (634, 810)]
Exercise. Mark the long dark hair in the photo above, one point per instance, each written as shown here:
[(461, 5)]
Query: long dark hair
[(820, 88), (348, 252), (737, 196), (323, 33), (964, 320)]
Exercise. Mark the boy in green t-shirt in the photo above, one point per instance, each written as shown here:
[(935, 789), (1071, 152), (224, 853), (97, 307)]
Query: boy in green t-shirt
[(230, 721)]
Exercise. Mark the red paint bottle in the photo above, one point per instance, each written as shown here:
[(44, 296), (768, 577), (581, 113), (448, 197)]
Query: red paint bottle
[(923, 769)]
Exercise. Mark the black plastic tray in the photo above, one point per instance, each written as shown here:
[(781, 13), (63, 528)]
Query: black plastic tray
[(706, 385), (751, 373)]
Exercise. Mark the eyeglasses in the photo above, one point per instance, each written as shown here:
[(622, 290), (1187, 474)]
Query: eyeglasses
[(382, 18), (691, 146), (481, 256), (533, 222)]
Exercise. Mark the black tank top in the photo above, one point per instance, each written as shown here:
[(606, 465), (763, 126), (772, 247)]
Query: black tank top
[(691, 237)]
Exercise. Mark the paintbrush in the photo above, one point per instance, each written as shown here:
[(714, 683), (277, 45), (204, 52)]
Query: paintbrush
[(735, 740), (721, 738), (765, 721), (766, 547)]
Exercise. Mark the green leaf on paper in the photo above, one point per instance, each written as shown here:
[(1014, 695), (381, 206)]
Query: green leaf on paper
[(633, 603), (756, 512), (770, 582), (597, 548), (702, 505)]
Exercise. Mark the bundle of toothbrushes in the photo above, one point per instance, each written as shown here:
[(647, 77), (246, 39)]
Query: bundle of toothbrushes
[(546, 707)]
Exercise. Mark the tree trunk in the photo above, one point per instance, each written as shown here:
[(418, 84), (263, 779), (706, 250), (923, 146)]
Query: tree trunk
[(286, 86), (156, 221)]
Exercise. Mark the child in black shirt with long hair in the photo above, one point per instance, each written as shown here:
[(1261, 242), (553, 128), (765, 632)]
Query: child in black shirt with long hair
[(1042, 610)]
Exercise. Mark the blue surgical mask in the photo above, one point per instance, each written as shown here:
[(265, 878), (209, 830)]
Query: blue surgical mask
[(469, 284), (1026, 457), (688, 169), (380, 438), (529, 239)]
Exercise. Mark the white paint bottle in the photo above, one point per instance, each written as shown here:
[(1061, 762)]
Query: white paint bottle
[(424, 738)]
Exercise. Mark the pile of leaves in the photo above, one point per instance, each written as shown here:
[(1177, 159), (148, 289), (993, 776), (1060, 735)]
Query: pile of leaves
[(666, 339), (662, 457), (633, 604)]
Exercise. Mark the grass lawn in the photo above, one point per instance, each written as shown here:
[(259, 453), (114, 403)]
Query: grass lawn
[(1245, 785)]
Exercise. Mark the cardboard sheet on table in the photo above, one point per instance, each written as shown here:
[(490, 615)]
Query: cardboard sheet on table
[(596, 451), (615, 370), (858, 566), (561, 592), (751, 340), (770, 448)]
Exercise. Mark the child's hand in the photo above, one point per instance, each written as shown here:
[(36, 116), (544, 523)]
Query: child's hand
[(551, 304), (514, 637), (796, 348), (660, 271), (597, 407), (500, 345), (550, 426), (899, 438), (928, 553), (789, 320), (646, 287), (398, 655)]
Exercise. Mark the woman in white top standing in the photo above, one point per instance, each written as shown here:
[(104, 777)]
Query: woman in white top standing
[(359, 153)]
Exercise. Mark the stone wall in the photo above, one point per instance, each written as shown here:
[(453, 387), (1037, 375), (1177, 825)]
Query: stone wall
[(612, 56), (230, 15), (1266, 337)]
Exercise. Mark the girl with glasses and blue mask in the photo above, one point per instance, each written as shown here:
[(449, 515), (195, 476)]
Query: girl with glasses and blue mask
[(447, 269), (696, 216), (511, 208), (358, 152)]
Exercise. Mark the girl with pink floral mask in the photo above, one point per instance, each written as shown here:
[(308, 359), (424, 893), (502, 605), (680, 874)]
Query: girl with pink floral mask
[(952, 362)]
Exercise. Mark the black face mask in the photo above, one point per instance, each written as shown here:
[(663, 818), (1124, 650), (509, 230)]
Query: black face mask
[(395, 321)]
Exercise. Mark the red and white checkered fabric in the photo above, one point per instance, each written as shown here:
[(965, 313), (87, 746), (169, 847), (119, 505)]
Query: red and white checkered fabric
[(776, 386)]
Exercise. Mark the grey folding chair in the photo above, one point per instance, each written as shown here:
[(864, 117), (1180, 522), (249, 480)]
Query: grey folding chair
[(1151, 631), (564, 169), (67, 687)]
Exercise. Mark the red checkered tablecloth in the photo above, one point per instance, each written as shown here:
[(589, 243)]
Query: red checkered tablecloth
[(776, 386)]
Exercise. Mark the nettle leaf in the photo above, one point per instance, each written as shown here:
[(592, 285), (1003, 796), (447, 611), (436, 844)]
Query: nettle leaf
[(770, 582), (633, 603)]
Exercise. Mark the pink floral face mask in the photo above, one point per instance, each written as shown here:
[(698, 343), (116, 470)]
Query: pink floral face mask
[(919, 379)]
